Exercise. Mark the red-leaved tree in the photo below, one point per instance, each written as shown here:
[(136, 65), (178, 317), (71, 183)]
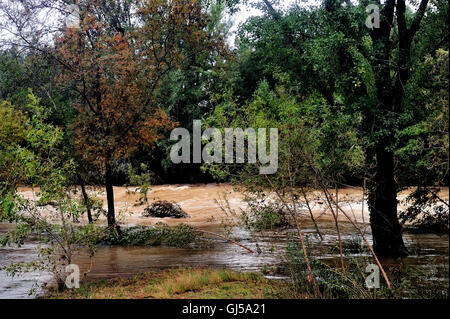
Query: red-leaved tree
[(115, 61)]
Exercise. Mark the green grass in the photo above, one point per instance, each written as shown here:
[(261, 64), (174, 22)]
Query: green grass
[(180, 283)]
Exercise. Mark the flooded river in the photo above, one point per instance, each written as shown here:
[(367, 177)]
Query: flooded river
[(200, 202)]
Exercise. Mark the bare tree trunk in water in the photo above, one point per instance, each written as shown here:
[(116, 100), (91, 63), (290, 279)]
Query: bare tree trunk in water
[(86, 200), (111, 217), (386, 229)]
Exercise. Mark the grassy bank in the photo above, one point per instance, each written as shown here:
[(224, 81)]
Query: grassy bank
[(180, 283)]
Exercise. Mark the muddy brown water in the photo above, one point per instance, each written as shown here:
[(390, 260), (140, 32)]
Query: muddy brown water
[(200, 202)]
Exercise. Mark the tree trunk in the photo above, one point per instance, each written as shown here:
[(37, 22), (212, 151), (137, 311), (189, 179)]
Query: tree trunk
[(86, 201), (382, 189), (386, 229), (111, 217)]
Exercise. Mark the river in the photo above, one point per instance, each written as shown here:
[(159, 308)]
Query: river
[(200, 202)]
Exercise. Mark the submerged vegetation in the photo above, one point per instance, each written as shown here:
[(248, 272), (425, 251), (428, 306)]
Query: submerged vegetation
[(178, 236), (427, 212), (350, 282), (263, 214)]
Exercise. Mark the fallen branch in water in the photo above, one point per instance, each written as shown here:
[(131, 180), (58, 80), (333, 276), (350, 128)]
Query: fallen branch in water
[(300, 235), (226, 238), (367, 243), (311, 213)]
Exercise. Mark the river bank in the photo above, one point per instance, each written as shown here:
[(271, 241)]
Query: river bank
[(180, 283)]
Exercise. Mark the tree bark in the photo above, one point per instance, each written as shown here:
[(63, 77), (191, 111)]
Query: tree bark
[(386, 229), (86, 200), (111, 217)]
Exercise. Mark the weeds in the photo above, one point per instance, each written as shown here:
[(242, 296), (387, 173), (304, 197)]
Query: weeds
[(263, 214), (161, 234), (407, 281), (427, 212), (182, 283)]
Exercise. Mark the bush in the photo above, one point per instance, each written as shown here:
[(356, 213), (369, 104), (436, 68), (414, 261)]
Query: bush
[(407, 281), (179, 236), (331, 282), (264, 215), (427, 213)]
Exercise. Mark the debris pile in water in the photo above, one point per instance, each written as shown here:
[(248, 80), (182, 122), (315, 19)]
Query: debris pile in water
[(163, 208)]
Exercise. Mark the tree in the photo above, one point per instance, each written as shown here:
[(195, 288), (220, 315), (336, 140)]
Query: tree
[(188, 93), (391, 55), (30, 154), (357, 75), (115, 60), (116, 72)]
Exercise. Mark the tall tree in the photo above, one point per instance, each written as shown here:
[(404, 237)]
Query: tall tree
[(392, 55), (116, 69), (337, 51), (114, 58)]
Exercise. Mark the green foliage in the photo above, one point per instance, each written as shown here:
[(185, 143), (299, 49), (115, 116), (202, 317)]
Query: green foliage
[(37, 160), (179, 236), (426, 211), (28, 146), (333, 282), (142, 182), (20, 72), (424, 136), (311, 135), (188, 93), (263, 214)]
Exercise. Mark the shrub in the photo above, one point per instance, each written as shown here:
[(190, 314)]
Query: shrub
[(179, 236), (427, 213), (263, 214)]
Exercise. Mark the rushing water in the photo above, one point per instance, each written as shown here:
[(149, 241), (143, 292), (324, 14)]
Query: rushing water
[(199, 201)]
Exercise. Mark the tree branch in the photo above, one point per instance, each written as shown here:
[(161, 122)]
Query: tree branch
[(418, 18)]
